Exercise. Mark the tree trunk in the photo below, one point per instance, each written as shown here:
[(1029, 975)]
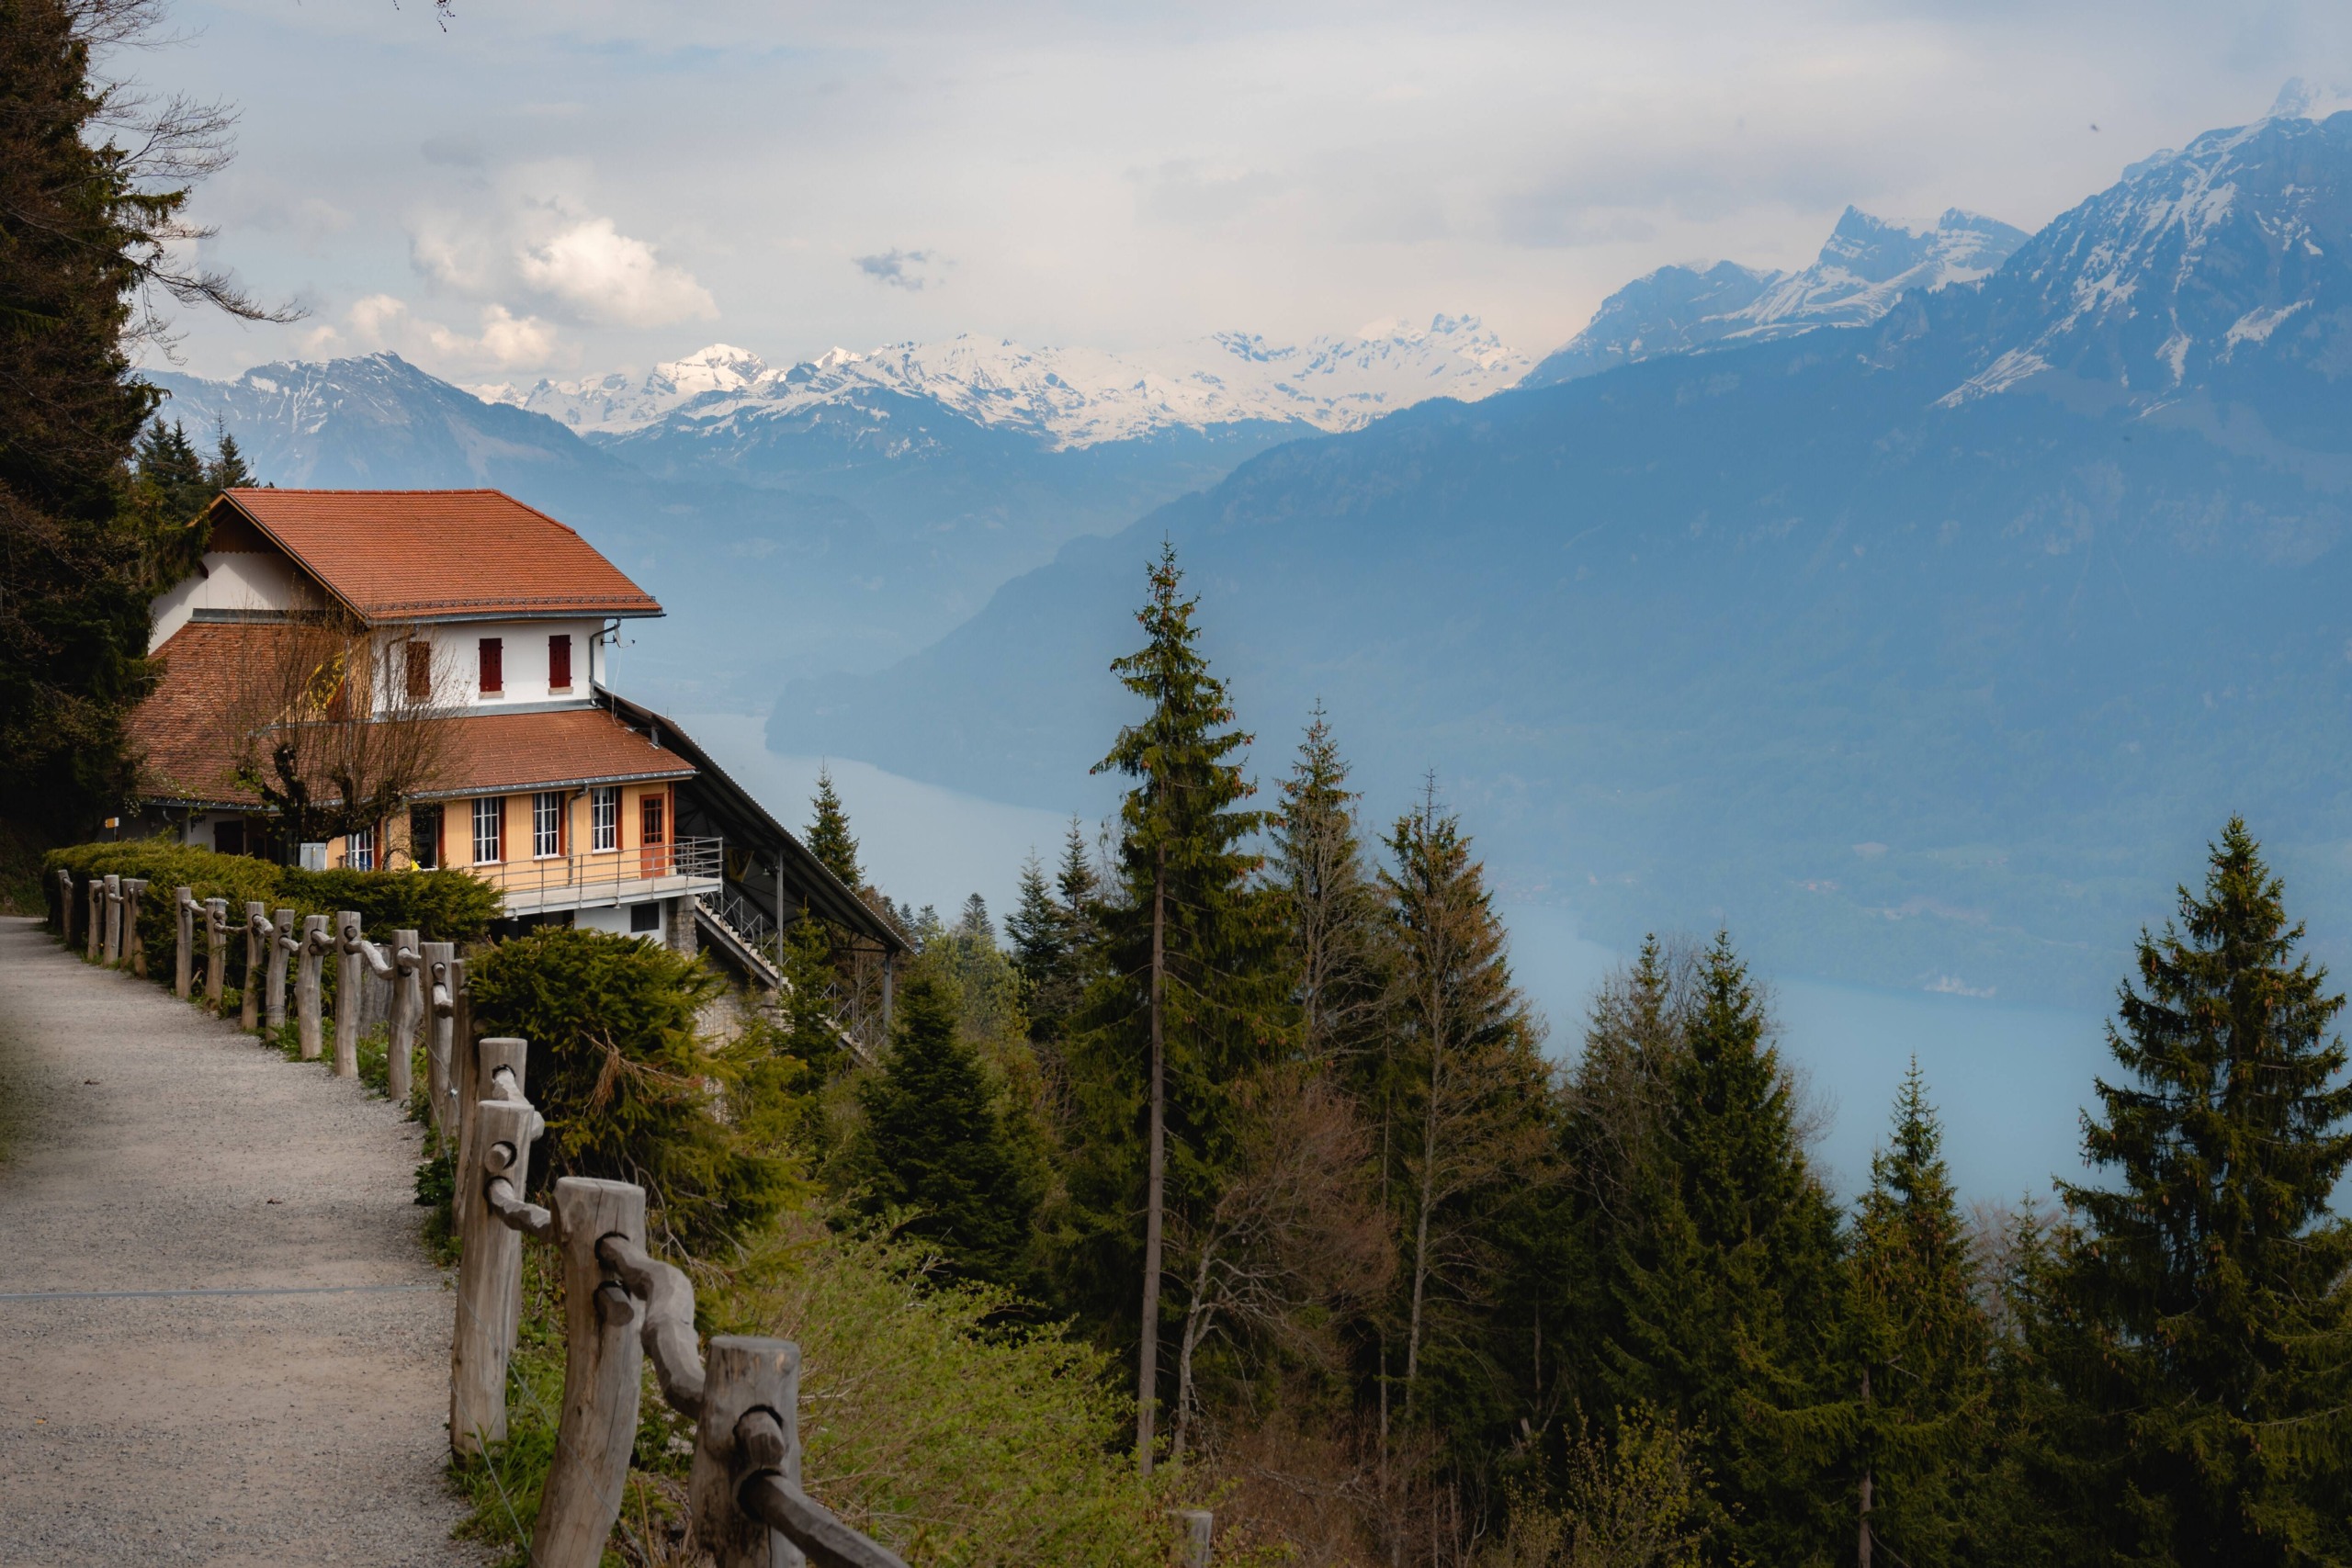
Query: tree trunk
[(1196, 1325), (1864, 1542), (1148, 1353), (1429, 1186)]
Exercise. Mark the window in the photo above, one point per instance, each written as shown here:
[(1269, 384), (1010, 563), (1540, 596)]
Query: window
[(420, 669), (560, 663), (424, 837), (547, 824), (493, 666), (604, 818), (228, 837), (490, 825), (645, 916), (359, 850)]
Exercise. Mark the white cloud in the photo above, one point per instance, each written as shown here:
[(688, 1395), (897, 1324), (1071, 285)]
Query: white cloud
[(378, 322), (609, 278)]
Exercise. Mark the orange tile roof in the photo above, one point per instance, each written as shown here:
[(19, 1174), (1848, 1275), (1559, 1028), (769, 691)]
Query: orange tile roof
[(190, 752), (410, 555), (499, 753)]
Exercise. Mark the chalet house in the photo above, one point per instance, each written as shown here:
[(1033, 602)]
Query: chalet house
[(581, 806)]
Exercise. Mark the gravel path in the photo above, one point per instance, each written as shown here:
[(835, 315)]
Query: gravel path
[(146, 1147)]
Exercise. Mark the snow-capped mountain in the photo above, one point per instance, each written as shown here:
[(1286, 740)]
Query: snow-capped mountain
[(2224, 261), (1064, 397), (1866, 267)]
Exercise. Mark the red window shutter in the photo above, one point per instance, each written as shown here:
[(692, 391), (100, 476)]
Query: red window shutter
[(420, 669), (560, 663), (494, 665)]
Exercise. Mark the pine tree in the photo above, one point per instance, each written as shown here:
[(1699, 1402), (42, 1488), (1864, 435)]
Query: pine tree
[(172, 471), (937, 1143), (1726, 1286), (1918, 1348), (1467, 1111), (2197, 1320), (828, 836), (228, 470), (1037, 927), (1331, 907), (1186, 1007)]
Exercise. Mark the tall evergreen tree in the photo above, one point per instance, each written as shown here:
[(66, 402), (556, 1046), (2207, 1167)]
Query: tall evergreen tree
[(1331, 907), (1186, 1004), (937, 1142), (2197, 1320), (1917, 1350), (828, 836), (1727, 1287), (1036, 929), (87, 233), (172, 471), (1468, 1128)]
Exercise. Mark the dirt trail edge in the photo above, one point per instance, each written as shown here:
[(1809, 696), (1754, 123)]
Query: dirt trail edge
[(292, 1419)]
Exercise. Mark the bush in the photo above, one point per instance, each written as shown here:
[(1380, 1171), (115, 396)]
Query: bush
[(629, 1089), (442, 906)]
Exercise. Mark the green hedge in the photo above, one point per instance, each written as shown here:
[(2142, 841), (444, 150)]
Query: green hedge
[(442, 906)]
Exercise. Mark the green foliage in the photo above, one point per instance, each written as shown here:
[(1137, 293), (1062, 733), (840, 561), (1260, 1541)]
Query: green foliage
[(1727, 1287), (936, 1144), (630, 1091), (2194, 1317), (934, 1426), (1332, 910), (1634, 1499), (1054, 931), (1188, 1001), (1917, 1424), (829, 837), (441, 905)]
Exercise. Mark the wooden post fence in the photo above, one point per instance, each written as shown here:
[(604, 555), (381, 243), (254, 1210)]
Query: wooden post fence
[(94, 947), (346, 993), (283, 945), (133, 888), (408, 1008), (437, 958), (489, 1275), (184, 949), (315, 943), (113, 944), (65, 906), (258, 932), (216, 950)]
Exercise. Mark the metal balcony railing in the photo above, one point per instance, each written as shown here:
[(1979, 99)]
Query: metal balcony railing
[(694, 866)]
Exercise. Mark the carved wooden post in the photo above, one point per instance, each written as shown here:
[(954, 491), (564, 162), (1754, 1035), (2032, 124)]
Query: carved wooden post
[(216, 950), (133, 938), (347, 994), (484, 1061), (1199, 1526), (408, 1004), (741, 1375), (602, 1360), (490, 1281), (257, 931), (95, 946), (183, 925), (112, 945), (283, 945), (65, 906), (315, 943), (441, 1010)]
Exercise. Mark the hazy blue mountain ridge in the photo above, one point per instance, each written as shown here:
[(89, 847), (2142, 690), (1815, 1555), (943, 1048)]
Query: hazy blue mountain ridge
[(1917, 664), (1866, 265)]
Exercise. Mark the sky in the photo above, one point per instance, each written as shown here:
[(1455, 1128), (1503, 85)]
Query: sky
[(522, 189)]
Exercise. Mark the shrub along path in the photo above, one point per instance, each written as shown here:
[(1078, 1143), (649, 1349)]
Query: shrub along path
[(148, 1152)]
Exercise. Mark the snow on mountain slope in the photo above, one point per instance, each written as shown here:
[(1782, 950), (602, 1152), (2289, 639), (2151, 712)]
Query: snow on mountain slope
[(2233, 252), (1065, 397), (1867, 264)]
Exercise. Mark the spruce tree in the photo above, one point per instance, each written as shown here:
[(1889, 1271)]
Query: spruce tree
[(828, 836), (172, 471), (1186, 1004), (1331, 907), (937, 1143), (1468, 1130), (1726, 1286), (1036, 929), (1916, 1351), (2197, 1321)]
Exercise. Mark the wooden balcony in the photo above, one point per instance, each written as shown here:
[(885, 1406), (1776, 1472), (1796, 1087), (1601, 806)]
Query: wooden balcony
[(688, 868)]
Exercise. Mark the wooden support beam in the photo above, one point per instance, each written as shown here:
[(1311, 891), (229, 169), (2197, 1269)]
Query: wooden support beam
[(602, 1364)]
